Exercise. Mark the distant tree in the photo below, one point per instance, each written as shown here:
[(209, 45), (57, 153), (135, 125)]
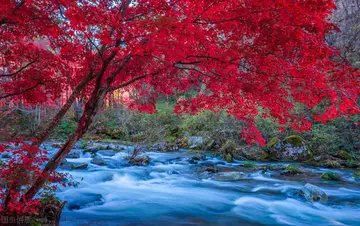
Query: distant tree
[(347, 18)]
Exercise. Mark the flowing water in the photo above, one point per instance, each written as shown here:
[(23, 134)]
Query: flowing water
[(171, 191)]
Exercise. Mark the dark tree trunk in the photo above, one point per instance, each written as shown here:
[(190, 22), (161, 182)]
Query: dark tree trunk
[(91, 108), (56, 120)]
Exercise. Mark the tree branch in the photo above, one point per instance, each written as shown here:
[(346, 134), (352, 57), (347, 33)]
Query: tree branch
[(23, 91), (18, 71), (130, 81)]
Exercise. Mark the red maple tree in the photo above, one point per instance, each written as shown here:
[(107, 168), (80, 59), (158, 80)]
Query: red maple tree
[(245, 54)]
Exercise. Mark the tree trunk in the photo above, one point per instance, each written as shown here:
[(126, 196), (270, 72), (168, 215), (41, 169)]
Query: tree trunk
[(56, 120), (91, 108)]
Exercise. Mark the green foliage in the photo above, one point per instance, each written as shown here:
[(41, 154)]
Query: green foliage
[(323, 138), (50, 199), (65, 129), (341, 133), (267, 127), (201, 123), (351, 163), (83, 144), (249, 164), (331, 176)]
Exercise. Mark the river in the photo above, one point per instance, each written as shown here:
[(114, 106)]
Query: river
[(173, 191)]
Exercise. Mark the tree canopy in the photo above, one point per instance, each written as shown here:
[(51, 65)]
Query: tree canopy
[(246, 54)]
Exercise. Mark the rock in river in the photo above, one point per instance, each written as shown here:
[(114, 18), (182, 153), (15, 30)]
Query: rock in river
[(313, 193), (141, 161), (98, 160), (230, 176), (74, 154)]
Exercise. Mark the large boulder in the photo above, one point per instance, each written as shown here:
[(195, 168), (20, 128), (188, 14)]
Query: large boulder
[(230, 150), (292, 148), (98, 160), (72, 165), (197, 159), (313, 193), (92, 149), (343, 155), (95, 147), (250, 153), (74, 154), (230, 176), (84, 200)]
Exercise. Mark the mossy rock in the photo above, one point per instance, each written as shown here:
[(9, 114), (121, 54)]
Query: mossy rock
[(227, 157), (264, 156), (331, 176), (343, 155), (357, 175), (292, 170), (330, 164), (272, 156), (294, 140), (228, 147), (79, 166), (273, 141), (249, 165)]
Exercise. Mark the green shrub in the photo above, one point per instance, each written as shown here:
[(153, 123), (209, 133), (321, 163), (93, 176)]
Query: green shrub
[(65, 129)]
